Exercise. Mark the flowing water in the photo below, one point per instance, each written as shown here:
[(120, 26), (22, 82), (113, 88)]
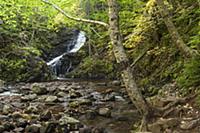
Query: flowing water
[(56, 63)]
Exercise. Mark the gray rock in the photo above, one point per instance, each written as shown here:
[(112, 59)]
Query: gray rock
[(35, 128), (29, 97), (68, 120), (7, 109), (51, 99), (31, 109), (62, 94), (1, 89), (38, 89), (105, 112), (116, 83), (19, 130), (16, 115), (4, 117), (2, 129)]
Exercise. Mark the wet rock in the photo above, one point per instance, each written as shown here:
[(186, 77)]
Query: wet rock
[(29, 97), (45, 116), (7, 109), (35, 128), (38, 89), (104, 112), (51, 99)]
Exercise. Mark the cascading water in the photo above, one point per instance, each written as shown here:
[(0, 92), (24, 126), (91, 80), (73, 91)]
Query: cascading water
[(56, 63)]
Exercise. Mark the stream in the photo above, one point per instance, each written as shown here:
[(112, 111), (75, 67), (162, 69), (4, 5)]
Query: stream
[(66, 105), (81, 106)]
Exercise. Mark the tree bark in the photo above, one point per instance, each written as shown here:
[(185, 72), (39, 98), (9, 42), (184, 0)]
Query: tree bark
[(75, 18), (176, 38), (122, 59)]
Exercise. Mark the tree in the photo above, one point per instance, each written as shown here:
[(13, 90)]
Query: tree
[(120, 55), (176, 38)]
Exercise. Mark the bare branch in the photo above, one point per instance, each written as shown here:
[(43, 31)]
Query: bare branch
[(75, 18)]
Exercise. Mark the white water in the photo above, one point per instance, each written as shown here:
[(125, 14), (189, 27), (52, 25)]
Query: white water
[(56, 62), (79, 43)]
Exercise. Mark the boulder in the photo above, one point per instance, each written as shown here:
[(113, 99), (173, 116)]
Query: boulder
[(51, 99), (38, 89)]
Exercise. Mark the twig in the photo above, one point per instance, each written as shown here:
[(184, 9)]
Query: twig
[(75, 18)]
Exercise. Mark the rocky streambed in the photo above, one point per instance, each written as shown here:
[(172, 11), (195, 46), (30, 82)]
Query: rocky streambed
[(66, 107)]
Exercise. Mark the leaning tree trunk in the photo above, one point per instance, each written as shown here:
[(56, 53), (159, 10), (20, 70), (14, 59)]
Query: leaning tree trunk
[(122, 59), (176, 38)]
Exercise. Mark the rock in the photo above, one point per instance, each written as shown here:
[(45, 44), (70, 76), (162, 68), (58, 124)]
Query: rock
[(116, 83), (31, 109), (91, 114), (45, 116), (7, 109), (62, 94), (35, 128), (80, 102), (2, 83), (85, 130), (68, 120), (74, 94), (98, 130), (2, 129), (21, 123), (51, 99), (19, 130), (105, 112), (16, 115), (1, 89), (29, 97), (8, 126), (4, 117), (50, 127), (119, 99), (38, 89)]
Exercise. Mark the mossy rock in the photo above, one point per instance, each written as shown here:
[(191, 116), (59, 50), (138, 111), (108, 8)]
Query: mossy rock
[(23, 65)]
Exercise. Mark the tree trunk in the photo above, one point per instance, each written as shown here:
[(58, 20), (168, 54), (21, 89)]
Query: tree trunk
[(122, 59), (176, 38)]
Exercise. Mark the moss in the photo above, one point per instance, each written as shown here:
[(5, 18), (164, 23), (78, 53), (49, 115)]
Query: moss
[(92, 67), (190, 76), (21, 65)]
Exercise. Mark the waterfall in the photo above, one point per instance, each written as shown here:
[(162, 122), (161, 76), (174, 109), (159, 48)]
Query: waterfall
[(56, 63)]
